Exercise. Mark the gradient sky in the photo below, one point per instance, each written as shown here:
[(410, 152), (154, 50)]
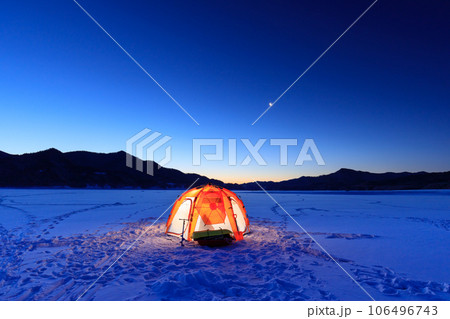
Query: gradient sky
[(377, 101)]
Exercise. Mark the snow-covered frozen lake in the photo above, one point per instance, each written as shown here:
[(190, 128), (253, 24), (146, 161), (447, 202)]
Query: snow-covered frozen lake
[(56, 243)]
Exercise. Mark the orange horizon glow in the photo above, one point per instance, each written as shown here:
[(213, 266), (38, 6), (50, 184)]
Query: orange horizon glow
[(241, 180)]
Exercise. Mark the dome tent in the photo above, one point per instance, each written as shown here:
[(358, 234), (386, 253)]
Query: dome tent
[(208, 214)]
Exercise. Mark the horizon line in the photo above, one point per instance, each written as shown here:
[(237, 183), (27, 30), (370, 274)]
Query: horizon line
[(230, 182)]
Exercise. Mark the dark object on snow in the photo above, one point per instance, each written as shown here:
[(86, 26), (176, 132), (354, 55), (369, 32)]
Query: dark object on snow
[(213, 238)]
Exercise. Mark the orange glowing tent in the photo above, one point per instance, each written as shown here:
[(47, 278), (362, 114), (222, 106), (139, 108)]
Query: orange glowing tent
[(208, 214)]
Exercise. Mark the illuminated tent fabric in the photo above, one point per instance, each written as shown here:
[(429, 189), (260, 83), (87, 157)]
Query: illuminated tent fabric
[(207, 208)]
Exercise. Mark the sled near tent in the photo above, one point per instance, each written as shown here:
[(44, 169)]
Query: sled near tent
[(210, 215)]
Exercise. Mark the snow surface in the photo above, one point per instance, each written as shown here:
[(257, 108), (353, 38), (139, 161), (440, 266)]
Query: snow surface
[(56, 243)]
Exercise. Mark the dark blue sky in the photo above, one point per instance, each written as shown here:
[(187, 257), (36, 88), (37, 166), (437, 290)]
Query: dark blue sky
[(377, 101)]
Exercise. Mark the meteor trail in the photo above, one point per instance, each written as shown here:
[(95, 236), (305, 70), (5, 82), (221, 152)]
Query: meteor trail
[(315, 61)]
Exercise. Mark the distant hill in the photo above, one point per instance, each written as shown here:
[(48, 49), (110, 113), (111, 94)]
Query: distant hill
[(52, 168), (348, 179)]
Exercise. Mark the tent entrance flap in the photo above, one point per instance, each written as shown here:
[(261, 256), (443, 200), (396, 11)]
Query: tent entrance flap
[(180, 218), (239, 216)]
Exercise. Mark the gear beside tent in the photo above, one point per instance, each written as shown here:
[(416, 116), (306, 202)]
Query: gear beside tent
[(210, 215)]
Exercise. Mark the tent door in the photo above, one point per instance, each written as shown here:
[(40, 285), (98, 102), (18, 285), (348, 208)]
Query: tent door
[(176, 227), (239, 216)]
